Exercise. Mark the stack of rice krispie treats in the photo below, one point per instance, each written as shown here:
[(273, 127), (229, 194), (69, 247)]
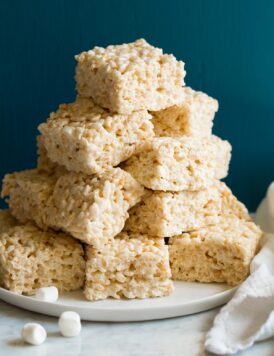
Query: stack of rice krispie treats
[(126, 195)]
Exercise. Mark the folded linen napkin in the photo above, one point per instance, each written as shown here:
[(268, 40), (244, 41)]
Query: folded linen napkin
[(249, 316)]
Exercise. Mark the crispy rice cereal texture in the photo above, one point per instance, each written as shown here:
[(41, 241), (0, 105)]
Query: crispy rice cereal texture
[(166, 214), (31, 258), (86, 138), (223, 157), (194, 117), (6, 220), (44, 164), (175, 164), (219, 253), (133, 266), (90, 208), (29, 194), (130, 77)]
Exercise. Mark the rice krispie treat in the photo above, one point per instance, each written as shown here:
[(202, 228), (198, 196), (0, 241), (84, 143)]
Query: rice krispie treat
[(6, 220), (193, 117), (218, 253), (166, 214), (130, 77), (90, 208), (132, 266), (175, 164), (31, 258), (83, 137), (44, 164), (29, 194), (223, 156)]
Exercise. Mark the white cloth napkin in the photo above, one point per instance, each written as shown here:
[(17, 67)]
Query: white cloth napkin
[(249, 316), (265, 212)]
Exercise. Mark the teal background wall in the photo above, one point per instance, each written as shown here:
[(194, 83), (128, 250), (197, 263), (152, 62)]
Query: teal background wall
[(228, 48)]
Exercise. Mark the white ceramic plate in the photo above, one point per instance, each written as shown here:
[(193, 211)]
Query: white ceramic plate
[(188, 298)]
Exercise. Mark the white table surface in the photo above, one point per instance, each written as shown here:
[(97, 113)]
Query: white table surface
[(182, 336)]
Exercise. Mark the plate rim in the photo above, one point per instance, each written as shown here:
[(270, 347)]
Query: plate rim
[(165, 311)]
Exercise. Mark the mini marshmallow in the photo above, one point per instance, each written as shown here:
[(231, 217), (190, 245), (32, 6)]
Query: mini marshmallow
[(47, 294), (70, 324), (270, 199), (33, 333)]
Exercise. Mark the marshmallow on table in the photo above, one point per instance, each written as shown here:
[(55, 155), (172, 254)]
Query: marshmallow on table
[(47, 294), (33, 333), (70, 324)]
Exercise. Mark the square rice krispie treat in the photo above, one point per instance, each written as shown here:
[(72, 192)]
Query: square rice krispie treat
[(132, 266), (29, 194), (90, 208), (218, 253), (175, 164), (31, 258), (167, 214), (130, 77), (193, 117), (86, 138)]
